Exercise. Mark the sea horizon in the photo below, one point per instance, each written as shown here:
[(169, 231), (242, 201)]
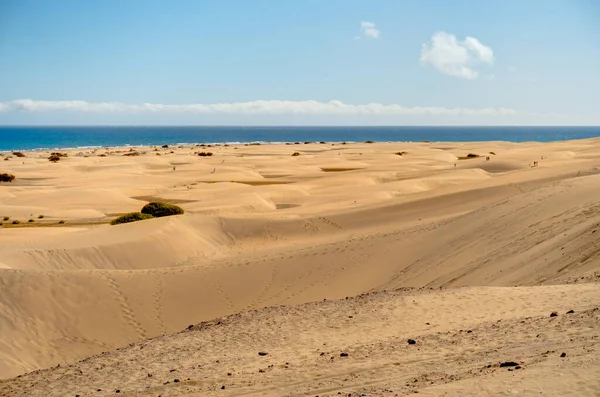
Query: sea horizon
[(34, 137)]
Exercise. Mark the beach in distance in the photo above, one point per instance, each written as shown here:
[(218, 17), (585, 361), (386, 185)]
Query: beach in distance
[(60, 137), (334, 262)]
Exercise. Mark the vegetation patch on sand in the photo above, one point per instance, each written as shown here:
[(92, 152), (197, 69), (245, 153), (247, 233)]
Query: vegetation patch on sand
[(131, 217), (159, 209), (18, 154), (56, 156), (7, 177), (149, 211)]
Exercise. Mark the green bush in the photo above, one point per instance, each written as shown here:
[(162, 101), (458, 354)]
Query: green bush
[(40, 216), (31, 221), (131, 217), (61, 222), (16, 222), (159, 209), (7, 177), (54, 158), (18, 154), (6, 218), (295, 154)]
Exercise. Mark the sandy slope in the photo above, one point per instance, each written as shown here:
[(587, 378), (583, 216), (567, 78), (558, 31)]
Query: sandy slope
[(263, 228), (360, 347)]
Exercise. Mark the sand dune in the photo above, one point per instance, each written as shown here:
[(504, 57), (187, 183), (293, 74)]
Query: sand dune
[(263, 228)]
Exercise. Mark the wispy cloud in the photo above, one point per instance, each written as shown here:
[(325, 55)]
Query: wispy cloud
[(456, 58), (248, 108), (368, 30)]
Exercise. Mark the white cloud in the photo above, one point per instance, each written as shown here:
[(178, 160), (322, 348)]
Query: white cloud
[(368, 29), (456, 58), (248, 108)]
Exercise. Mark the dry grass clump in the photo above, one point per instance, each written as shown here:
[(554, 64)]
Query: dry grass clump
[(131, 217), (132, 154), (295, 154), (7, 177), (493, 153), (6, 218), (400, 153), (16, 222), (369, 142), (205, 154), (18, 154)]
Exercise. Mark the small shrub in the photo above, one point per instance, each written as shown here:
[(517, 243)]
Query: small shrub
[(54, 158), (159, 209), (16, 222), (6, 218), (31, 221), (296, 154), (59, 154), (6, 158), (322, 142), (61, 222), (493, 153), (131, 217), (40, 216), (369, 142), (165, 146), (102, 155), (400, 153), (7, 177), (131, 154), (205, 154), (18, 154)]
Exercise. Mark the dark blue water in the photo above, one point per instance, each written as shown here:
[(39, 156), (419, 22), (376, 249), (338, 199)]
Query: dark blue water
[(27, 138)]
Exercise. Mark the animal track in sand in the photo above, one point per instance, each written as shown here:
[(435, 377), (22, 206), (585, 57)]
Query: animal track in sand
[(126, 310)]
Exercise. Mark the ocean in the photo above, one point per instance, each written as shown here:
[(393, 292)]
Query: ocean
[(55, 137)]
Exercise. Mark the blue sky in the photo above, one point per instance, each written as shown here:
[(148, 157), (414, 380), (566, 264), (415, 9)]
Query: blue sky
[(300, 62)]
